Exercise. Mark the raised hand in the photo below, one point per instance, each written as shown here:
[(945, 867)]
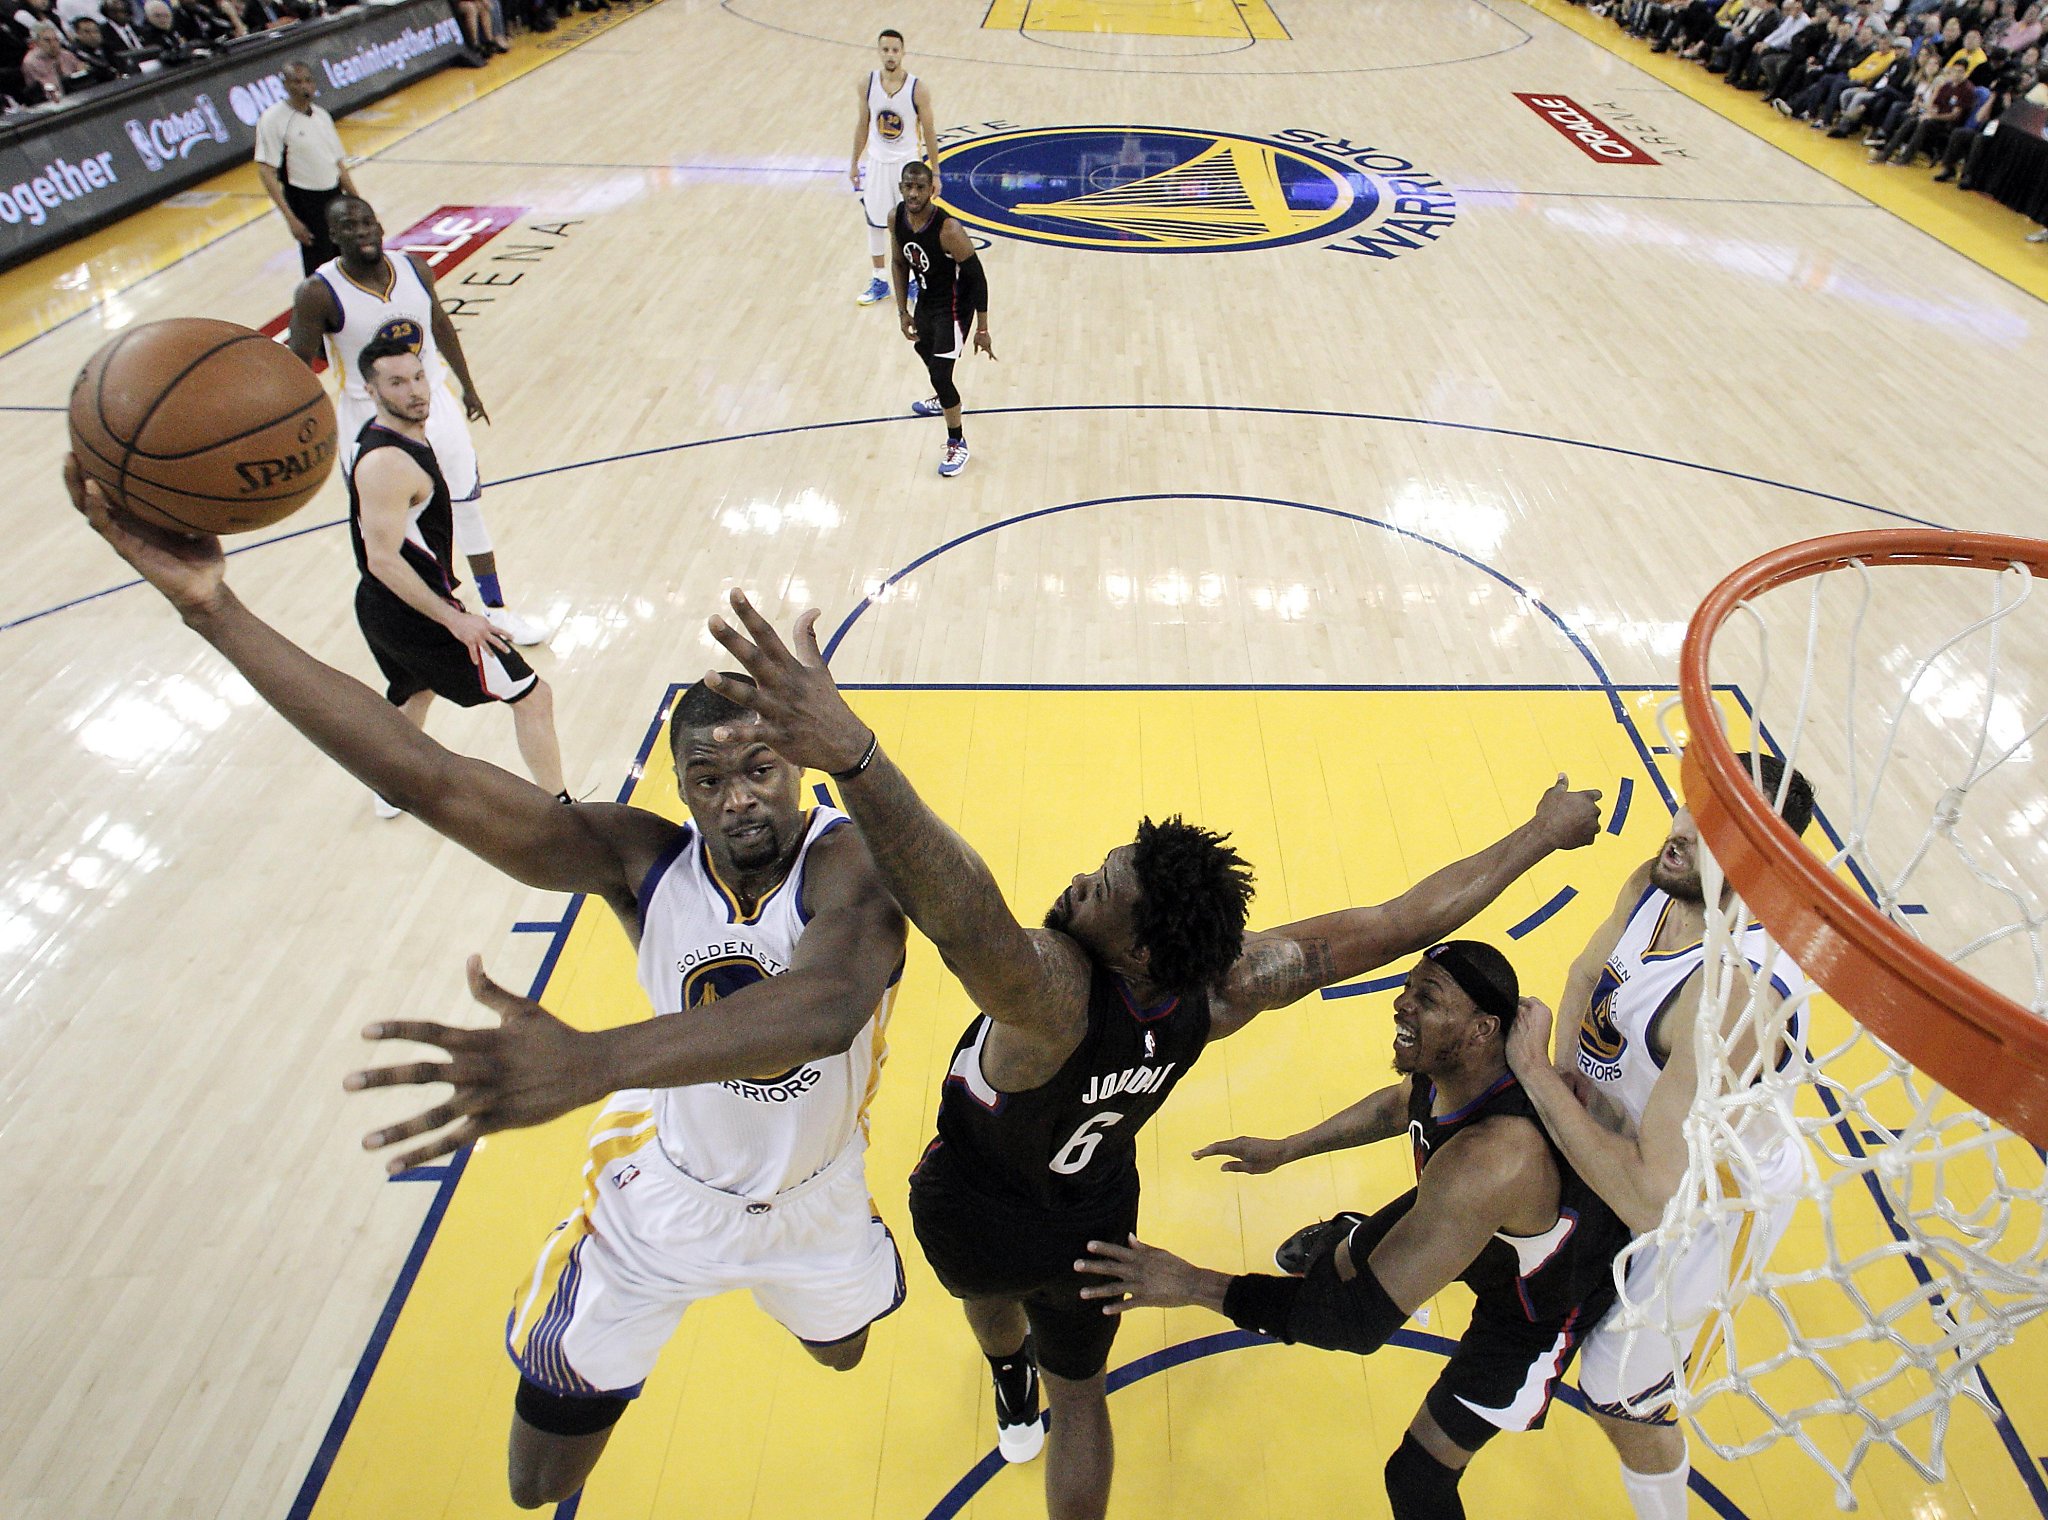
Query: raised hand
[(1570, 819), (1529, 1039), (1249, 1155), (528, 1070), (189, 570), (803, 717)]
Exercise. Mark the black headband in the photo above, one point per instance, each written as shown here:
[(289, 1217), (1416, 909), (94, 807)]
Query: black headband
[(1483, 974)]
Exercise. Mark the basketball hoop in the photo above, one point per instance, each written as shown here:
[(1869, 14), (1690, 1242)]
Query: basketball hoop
[(1917, 703)]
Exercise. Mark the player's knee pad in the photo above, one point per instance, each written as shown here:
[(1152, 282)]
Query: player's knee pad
[(1421, 1488), (471, 536), (942, 382), (878, 242)]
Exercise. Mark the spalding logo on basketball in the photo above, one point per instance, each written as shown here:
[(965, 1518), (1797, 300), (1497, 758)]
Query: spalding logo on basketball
[(202, 426), (402, 330), (889, 124)]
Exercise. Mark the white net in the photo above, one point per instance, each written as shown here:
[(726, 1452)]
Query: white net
[(1915, 1230)]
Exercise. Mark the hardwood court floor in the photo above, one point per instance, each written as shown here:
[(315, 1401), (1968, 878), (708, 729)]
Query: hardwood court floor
[(1491, 470)]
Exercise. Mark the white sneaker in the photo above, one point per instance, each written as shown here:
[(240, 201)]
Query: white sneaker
[(955, 460), (520, 630), (382, 808), (1020, 1433)]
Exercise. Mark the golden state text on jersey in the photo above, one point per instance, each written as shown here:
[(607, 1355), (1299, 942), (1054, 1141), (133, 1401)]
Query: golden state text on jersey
[(717, 972)]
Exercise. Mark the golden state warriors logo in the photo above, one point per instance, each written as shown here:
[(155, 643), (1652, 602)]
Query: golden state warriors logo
[(1178, 190), (1600, 1041), (714, 981), (404, 330), (889, 124)]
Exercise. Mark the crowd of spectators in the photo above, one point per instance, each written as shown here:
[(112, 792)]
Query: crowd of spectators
[(1918, 79), (52, 49)]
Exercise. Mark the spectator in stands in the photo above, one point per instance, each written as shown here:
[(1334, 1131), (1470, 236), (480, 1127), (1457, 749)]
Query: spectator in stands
[(1943, 97), (1894, 91), (1970, 53), (478, 31), (50, 67), (1844, 49), (230, 14), (1779, 69), (265, 15), (2017, 35), (118, 22), (1821, 100), (90, 44), (1774, 27), (1963, 157)]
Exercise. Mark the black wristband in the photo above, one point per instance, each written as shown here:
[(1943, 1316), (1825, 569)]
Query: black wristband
[(1257, 1301), (874, 744)]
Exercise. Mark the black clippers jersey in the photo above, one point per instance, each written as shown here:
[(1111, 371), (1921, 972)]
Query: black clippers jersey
[(1070, 1144), (1540, 1278), (930, 265), (429, 544)]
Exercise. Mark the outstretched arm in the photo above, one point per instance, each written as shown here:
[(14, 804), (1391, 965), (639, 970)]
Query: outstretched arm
[(1027, 977), (508, 821), (532, 1067), (1283, 965), (1379, 1117)]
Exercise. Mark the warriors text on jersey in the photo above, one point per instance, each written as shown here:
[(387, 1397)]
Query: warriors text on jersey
[(761, 1135), (1635, 985), (892, 121), (1069, 1145), (1565, 1273)]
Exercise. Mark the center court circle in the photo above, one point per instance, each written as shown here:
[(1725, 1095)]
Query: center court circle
[(1153, 189)]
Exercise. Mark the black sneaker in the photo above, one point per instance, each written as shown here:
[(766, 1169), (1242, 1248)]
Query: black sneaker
[(1299, 1251), (1020, 1434)]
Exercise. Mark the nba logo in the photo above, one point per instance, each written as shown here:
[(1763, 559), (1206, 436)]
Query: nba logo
[(624, 1175)]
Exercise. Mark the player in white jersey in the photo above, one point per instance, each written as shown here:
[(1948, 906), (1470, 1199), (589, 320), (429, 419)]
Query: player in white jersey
[(895, 117), (1615, 1101), (774, 997), (365, 294)]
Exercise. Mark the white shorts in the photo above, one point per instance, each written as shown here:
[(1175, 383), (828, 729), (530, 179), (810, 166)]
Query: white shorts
[(881, 188), (447, 433), (1638, 1386), (648, 1241)]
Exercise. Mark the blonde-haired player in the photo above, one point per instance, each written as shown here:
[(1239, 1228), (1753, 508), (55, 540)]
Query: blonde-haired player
[(895, 117), (1631, 1002)]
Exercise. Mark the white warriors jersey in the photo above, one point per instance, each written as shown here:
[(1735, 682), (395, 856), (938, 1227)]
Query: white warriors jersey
[(892, 120), (402, 310), (763, 1135), (1636, 983)]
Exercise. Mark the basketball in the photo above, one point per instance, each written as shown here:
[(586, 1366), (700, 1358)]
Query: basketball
[(202, 426)]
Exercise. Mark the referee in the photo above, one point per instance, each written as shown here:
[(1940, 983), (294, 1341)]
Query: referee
[(299, 159)]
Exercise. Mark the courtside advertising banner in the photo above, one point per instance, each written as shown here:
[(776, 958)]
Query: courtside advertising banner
[(125, 146)]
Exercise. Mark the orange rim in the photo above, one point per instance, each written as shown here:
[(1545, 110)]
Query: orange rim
[(1974, 1041)]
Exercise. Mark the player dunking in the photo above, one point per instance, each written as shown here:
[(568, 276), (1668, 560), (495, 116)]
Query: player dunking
[(364, 294), (1631, 1004), (952, 295), (426, 643), (1086, 1025), (883, 143), (731, 1154), (1494, 1205)]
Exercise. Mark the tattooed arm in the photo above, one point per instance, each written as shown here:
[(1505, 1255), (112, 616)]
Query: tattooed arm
[(1283, 965)]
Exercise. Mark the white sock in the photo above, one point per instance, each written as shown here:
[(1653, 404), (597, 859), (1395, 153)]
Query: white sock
[(1658, 1496)]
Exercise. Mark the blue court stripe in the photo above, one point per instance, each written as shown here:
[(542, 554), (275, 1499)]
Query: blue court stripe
[(1624, 793), (977, 1476), (531, 926), (1005, 411), (1544, 914), (432, 1173), (1360, 989)]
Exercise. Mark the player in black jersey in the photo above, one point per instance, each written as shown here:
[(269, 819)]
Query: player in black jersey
[(1086, 1025), (1495, 1206), (952, 293), (399, 520)]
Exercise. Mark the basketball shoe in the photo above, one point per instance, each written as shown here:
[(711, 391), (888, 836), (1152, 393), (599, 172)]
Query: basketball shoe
[(1019, 1435), (520, 630), (930, 408), (956, 457), (1298, 1252), (878, 290)]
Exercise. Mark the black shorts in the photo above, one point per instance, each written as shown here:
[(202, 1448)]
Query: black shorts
[(982, 1246), (1503, 1374), (940, 332), (417, 654)]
